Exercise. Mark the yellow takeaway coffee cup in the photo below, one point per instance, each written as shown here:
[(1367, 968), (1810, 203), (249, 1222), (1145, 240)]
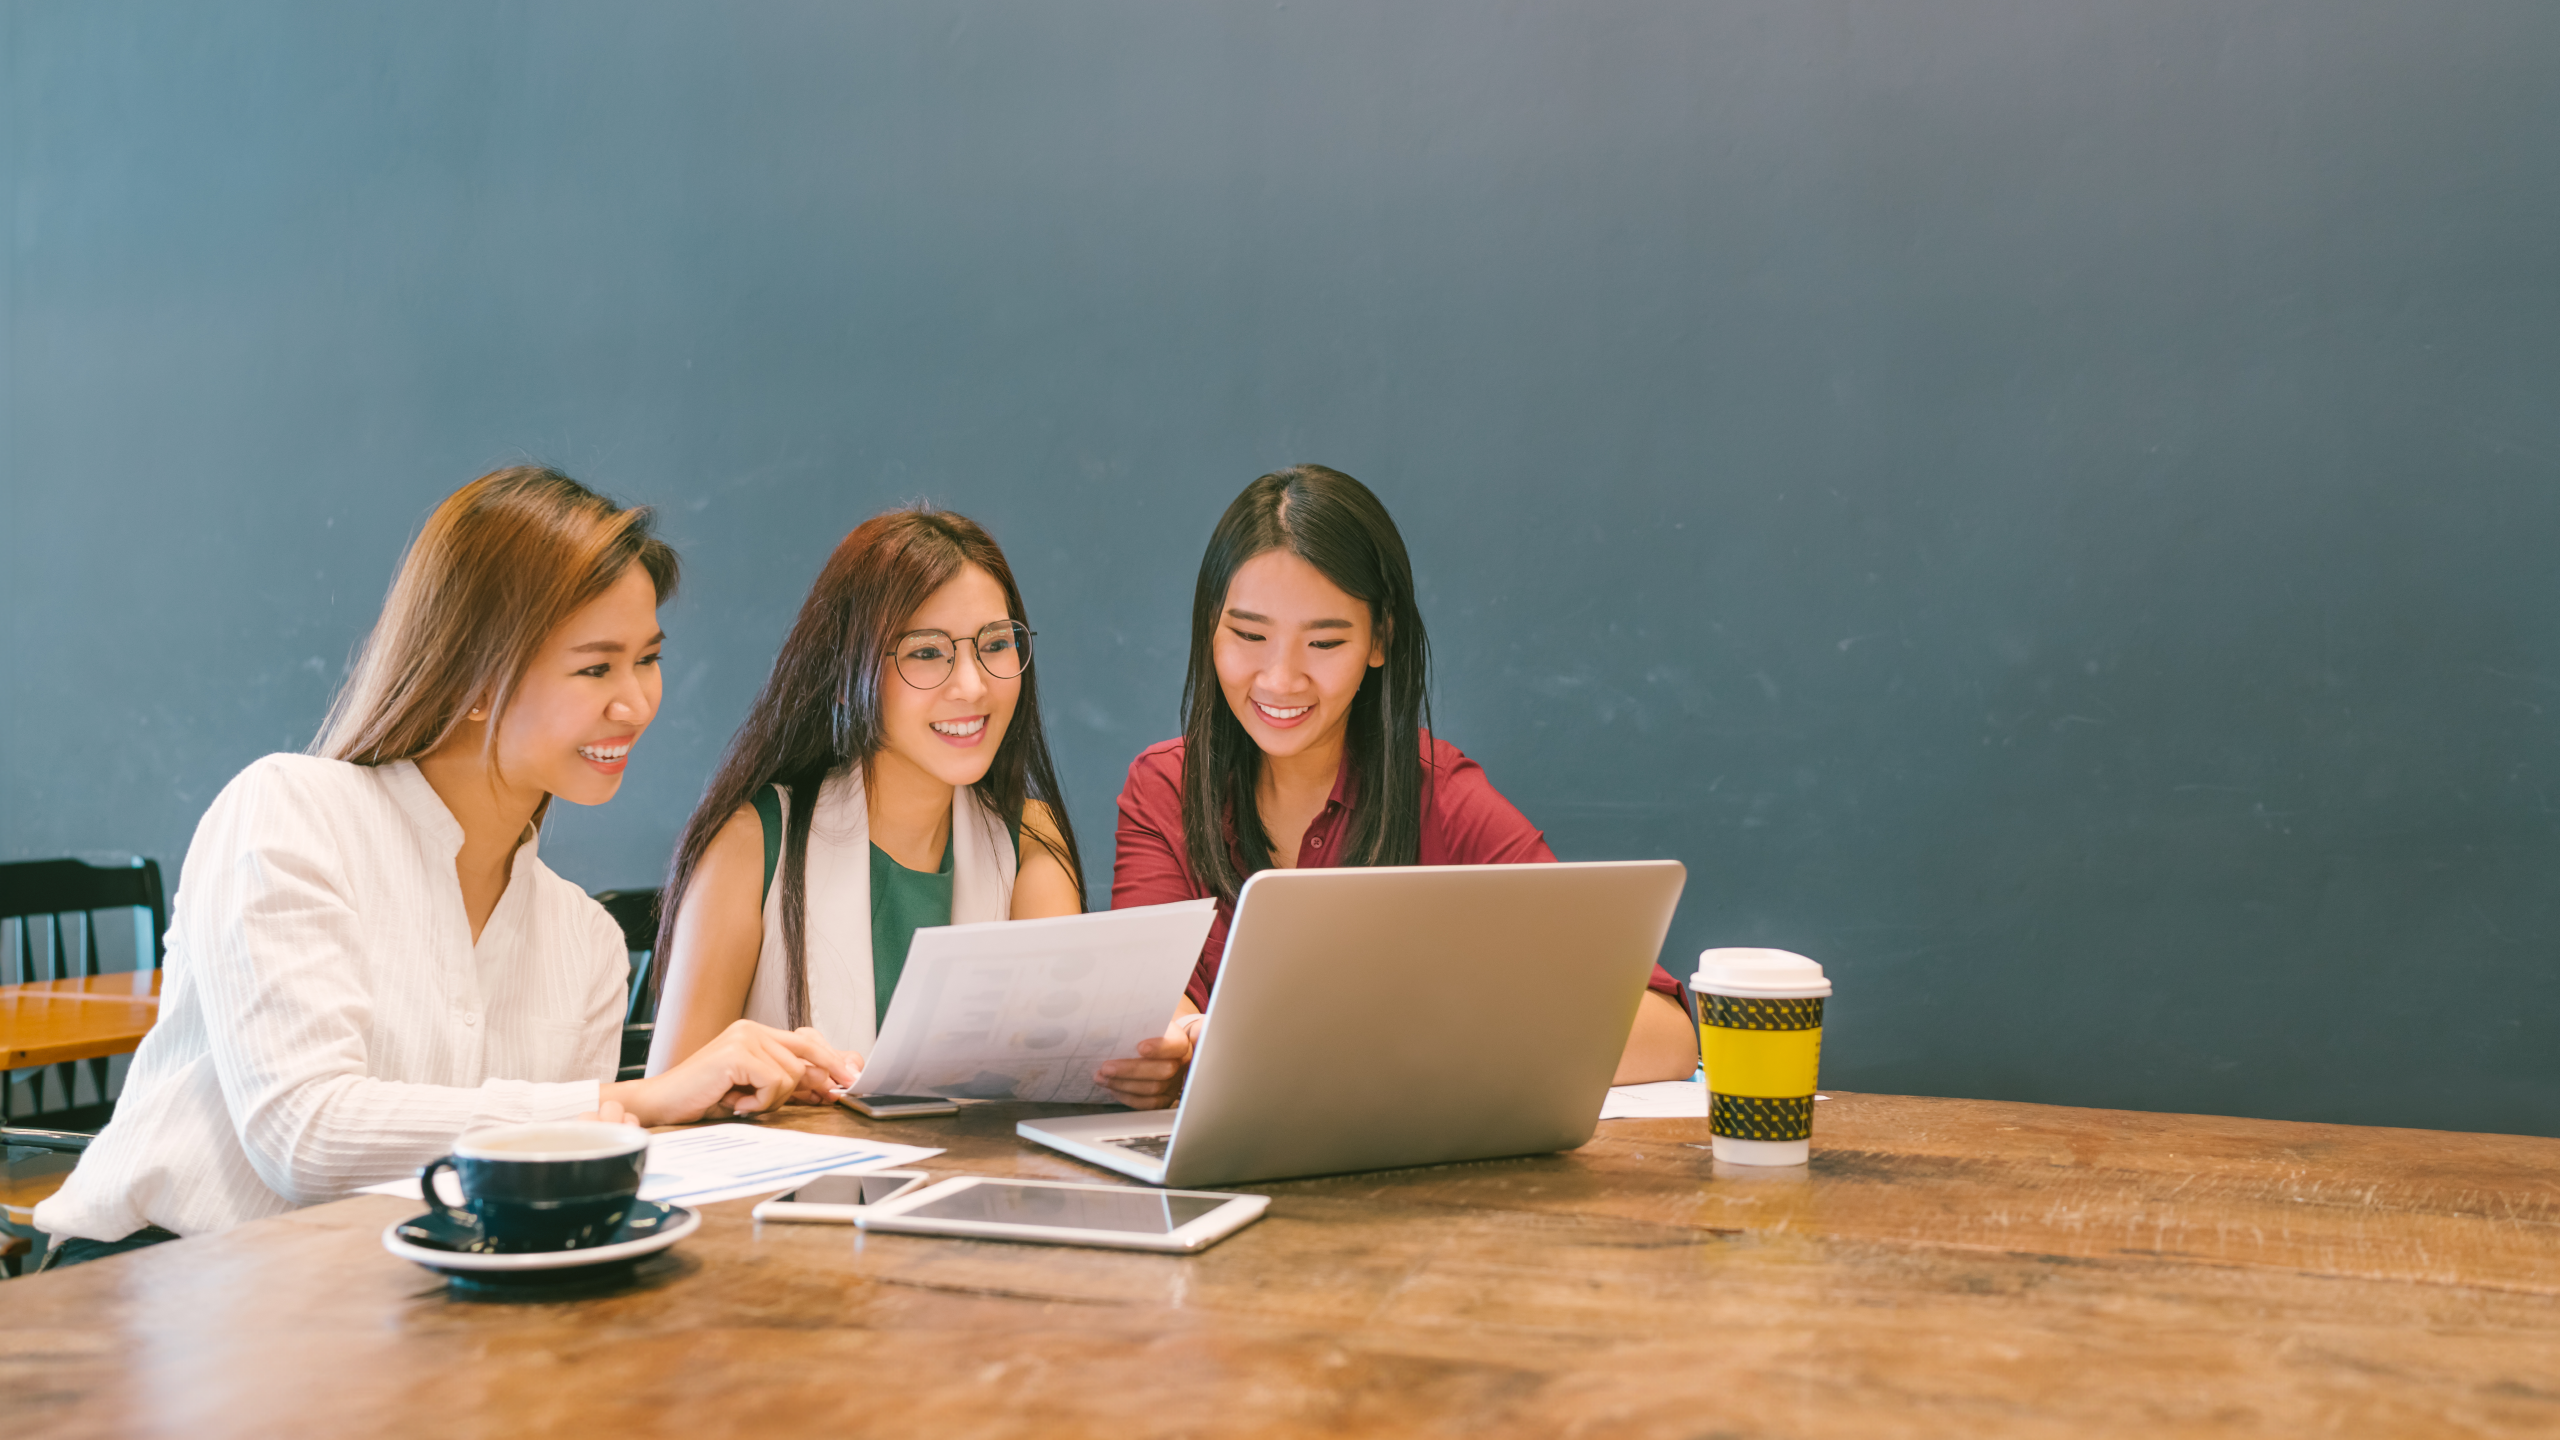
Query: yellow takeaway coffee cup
[(1760, 1040)]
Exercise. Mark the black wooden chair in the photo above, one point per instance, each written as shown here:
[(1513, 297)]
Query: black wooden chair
[(33, 1164), (636, 911), (42, 895)]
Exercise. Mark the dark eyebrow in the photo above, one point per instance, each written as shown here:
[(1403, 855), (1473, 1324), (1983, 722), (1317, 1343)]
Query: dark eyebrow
[(1249, 616), (613, 647)]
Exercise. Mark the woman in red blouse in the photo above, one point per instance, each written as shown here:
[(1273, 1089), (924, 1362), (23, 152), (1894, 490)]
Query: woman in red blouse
[(1306, 742)]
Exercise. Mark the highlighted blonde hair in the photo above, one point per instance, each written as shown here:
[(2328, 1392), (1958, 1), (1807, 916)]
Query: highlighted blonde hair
[(502, 563)]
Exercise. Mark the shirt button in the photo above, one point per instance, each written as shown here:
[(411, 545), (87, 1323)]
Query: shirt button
[(1317, 842)]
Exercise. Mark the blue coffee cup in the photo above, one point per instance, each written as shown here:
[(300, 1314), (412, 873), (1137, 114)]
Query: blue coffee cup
[(557, 1185)]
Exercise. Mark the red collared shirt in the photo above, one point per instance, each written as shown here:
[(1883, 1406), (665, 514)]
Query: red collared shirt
[(1465, 821)]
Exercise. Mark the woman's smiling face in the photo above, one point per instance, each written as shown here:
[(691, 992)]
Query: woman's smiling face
[(584, 701), (951, 731), (1291, 651)]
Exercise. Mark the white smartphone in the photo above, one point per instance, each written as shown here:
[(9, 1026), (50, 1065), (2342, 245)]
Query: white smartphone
[(838, 1199), (1056, 1212), (899, 1107)]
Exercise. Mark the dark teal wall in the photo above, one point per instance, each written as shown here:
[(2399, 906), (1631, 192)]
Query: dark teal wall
[(2046, 507)]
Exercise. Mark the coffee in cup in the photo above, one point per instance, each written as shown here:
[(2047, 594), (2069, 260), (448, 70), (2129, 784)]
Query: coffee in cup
[(558, 1185), (1760, 1041)]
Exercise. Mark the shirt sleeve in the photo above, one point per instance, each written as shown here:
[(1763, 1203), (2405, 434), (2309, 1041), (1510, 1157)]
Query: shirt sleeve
[(1470, 822), (1475, 824), (1147, 862), (1149, 865), (288, 1009)]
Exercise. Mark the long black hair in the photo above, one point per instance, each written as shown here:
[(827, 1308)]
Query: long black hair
[(1332, 522), (819, 711)]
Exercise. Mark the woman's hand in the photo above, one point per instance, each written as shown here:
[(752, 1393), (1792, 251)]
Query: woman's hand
[(745, 1070), (610, 1113), (820, 1086), (1154, 1079)]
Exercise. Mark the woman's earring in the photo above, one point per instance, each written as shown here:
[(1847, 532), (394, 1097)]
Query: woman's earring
[(474, 715)]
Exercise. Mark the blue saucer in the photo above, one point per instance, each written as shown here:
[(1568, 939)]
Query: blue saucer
[(437, 1241)]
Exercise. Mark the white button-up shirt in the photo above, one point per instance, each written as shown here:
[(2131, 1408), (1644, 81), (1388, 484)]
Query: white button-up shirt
[(327, 1023)]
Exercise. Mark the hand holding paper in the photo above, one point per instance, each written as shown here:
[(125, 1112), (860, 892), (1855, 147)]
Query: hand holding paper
[(1025, 1009), (1152, 1078)]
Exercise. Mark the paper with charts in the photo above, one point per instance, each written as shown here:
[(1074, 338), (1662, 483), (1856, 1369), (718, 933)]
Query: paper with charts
[(1025, 1009)]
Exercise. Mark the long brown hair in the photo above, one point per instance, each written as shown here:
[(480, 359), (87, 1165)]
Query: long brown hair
[(1334, 523), (819, 711), (502, 563)]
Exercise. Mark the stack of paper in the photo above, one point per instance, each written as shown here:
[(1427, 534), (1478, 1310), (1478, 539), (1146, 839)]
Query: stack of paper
[(731, 1161), (1661, 1100)]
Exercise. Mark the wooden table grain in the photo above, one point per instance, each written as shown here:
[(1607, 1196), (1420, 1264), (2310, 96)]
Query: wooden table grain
[(48, 1021), (1943, 1268)]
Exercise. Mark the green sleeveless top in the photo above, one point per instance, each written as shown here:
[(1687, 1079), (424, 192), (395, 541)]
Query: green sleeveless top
[(903, 901)]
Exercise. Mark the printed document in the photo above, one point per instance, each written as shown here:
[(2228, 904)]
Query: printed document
[(1025, 1009), (729, 1161), (1661, 1100), (726, 1162)]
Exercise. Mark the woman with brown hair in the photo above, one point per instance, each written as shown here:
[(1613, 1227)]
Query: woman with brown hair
[(367, 958), (886, 778)]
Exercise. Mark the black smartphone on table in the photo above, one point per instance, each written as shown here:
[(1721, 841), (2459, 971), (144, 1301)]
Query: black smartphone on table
[(838, 1199), (900, 1107)]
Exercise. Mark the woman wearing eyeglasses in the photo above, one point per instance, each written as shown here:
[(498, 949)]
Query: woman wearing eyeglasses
[(892, 774), (1306, 742)]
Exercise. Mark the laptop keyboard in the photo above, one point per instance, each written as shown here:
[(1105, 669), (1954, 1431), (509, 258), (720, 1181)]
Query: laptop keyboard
[(1152, 1146)]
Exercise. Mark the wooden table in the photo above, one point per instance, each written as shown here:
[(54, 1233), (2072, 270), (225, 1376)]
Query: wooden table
[(79, 1019), (49, 1021), (1945, 1267)]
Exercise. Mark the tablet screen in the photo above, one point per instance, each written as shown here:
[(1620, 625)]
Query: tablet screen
[(1131, 1212)]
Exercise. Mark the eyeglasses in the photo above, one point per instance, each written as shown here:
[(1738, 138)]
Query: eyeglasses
[(925, 657)]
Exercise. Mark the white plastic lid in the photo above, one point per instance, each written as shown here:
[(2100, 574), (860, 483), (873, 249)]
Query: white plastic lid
[(1743, 971)]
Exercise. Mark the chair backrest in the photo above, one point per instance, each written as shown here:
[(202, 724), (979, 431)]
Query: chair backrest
[(50, 890), (636, 1040), (636, 911)]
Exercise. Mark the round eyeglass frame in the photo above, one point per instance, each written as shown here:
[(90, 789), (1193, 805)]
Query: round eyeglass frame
[(1019, 633)]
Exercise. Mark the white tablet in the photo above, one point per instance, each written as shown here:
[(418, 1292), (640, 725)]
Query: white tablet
[(1057, 1212)]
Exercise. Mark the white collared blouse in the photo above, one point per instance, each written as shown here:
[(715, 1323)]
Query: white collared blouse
[(326, 1021)]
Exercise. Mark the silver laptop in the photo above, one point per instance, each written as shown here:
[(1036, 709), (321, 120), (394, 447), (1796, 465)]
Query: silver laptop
[(1367, 1019)]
